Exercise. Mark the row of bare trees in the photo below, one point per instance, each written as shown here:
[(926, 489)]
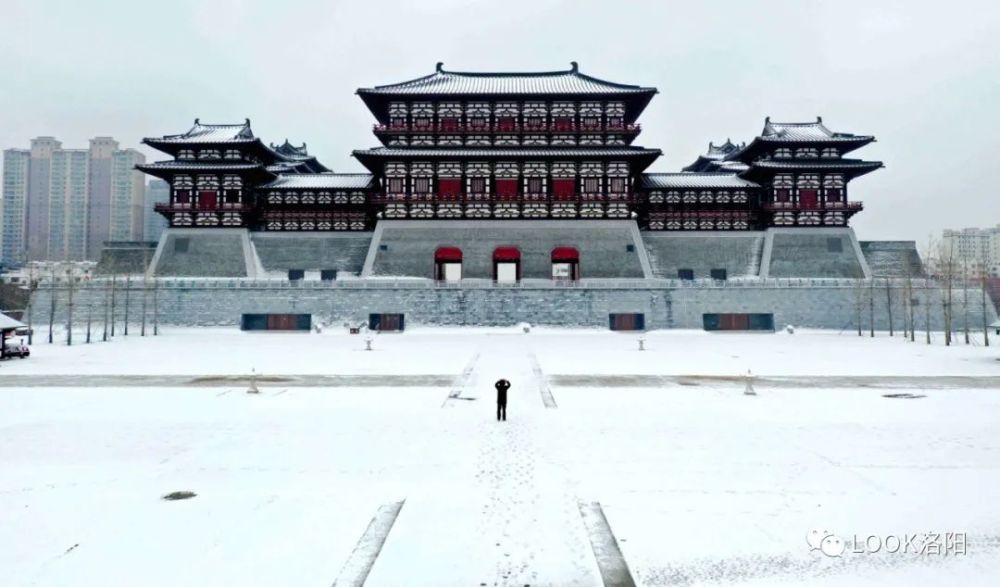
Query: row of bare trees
[(944, 274), (117, 306)]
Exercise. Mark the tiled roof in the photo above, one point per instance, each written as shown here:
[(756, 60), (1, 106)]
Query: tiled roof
[(522, 153), (731, 166), (818, 164), (720, 151), (197, 166), (694, 180), (291, 151), (553, 82), (211, 133), (332, 181), (805, 131)]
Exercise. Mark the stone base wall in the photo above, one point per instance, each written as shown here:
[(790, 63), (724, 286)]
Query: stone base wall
[(665, 304)]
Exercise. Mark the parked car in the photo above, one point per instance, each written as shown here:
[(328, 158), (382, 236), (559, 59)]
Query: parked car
[(18, 349)]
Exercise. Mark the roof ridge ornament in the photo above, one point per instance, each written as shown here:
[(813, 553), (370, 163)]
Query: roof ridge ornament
[(574, 67), (439, 67)]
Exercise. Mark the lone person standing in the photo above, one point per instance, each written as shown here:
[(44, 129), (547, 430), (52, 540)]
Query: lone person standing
[(502, 386)]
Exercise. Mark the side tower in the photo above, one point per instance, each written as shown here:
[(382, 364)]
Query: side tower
[(222, 175), (554, 145), (212, 173), (803, 172)]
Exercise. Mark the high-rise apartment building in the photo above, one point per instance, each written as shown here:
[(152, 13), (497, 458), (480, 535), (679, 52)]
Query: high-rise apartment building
[(13, 225), (63, 204)]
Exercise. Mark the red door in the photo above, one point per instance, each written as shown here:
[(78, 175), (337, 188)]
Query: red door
[(807, 198)]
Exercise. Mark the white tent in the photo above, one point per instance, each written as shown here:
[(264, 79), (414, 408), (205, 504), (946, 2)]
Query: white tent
[(7, 323)]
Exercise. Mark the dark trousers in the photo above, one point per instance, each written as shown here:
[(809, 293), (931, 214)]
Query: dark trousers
[(502, 411)]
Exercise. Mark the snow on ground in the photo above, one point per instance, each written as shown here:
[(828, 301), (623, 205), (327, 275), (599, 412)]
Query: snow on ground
[(420, 351), (700, 484)]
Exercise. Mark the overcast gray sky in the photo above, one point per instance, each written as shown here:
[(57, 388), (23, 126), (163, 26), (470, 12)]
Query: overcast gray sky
[(923, 77)]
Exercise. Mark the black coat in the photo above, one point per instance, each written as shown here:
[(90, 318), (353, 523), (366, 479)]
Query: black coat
[(502, 386)]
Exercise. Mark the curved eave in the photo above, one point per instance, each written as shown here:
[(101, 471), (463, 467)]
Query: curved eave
[(378, 102), (171, 146), (168, 169), (850, 169), (763, 144)]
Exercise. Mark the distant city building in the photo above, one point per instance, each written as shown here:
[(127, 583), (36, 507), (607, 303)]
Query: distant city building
[(63, 204), (157, 192), (974, 252), (13, 228), (128, 195)]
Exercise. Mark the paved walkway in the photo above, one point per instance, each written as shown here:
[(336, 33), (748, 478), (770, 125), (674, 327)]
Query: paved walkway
[(520, 522)]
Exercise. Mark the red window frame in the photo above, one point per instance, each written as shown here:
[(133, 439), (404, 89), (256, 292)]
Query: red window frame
[(449, 189), (506, 189)]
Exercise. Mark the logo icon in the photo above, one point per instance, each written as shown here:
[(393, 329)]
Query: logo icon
[(826, 542)]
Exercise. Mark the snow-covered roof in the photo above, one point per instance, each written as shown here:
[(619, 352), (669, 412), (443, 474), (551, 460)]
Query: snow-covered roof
[(818, 164), (291, 151), (212, 133), (694, 180), (720, 151), (520, 152), (551, 82), (6, 322), (330, 181), (196, 166), (805, 131)]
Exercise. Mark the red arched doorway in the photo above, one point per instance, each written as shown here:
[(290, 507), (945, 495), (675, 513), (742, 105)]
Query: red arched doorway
[(448, 264), (565, 264), (506, 265)]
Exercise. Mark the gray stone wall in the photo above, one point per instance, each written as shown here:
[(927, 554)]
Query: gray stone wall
[(738, 253), (312, 252), (406, 248), (201, 253), (892, 258), (804, 303), (816, 252)]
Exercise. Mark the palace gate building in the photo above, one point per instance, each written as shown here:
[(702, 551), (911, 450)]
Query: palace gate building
[(498, 197)]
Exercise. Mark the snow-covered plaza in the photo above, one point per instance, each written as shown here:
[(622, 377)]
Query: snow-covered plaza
[(388, 466)]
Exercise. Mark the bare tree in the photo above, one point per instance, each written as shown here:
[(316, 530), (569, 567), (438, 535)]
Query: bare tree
[(107, 307), (927, 307), (909, 303), (70, 286), (90, 315), (858, 302), (871, 306), (986, 320), (128, 288), (113, 284), (52, 303), (145, 294), (888, 304), (32, 288), (156, 307), (965, 300)]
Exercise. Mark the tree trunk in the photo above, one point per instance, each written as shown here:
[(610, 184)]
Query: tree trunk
[(927, 309), (69, 309), (114, 282), (128, 288), (888, 304), (142, 328), (871, 307), (986, 320), (52, 305), (156, 308), (90, 316), (965, 302)]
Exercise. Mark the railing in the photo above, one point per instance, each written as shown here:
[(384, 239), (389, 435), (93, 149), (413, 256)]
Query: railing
[(516, 129), (282, 282), (799, 206), (433, 198), (192, 207)]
